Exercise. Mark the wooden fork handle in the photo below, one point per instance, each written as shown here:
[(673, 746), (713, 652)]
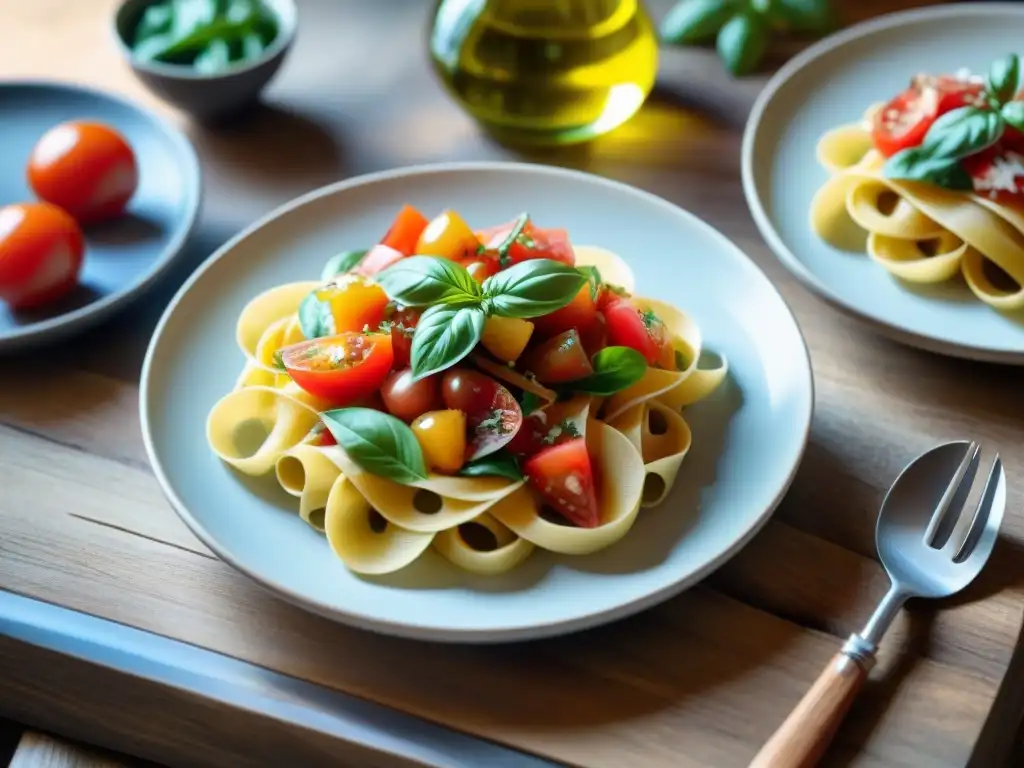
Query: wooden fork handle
[(801, 741)]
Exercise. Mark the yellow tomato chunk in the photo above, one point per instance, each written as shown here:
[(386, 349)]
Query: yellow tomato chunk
[(506, 337), (356, 302), (442, 436), (448, 236)]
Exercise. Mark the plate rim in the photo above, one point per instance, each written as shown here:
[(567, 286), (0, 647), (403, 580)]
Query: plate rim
[(80, 319), (511, 633), (763, 221)]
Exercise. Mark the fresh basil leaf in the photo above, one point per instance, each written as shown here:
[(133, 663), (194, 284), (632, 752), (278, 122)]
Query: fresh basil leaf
[(1013, 114), (529, 403), (916, 164), (962, 132), (444, 335), (344, 262), (806, 15), (499, 464), (692, 22), (741, 43), (531, 288), (315, 317), (1002, 78), (615, 369), (378, 442), (594, 278), (419, 281)]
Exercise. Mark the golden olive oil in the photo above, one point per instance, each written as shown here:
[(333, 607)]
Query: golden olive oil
[(546, 71)]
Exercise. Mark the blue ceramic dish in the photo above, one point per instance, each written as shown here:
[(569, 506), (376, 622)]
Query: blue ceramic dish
[(123, 257)]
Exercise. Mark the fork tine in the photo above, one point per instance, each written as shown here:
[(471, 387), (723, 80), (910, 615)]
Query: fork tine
[(946, 512), (982, 513)]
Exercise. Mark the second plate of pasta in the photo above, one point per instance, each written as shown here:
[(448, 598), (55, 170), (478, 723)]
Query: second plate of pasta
[(406, 403), (885, 168)]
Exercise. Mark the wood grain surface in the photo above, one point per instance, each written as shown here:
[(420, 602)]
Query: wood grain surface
[(702, 680)]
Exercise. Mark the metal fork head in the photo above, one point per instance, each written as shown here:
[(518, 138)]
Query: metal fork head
[(931, 539)]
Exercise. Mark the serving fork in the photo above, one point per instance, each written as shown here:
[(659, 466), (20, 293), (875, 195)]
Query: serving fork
[(929, 548)]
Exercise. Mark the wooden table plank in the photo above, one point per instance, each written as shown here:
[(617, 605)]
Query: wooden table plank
[(699, 681)]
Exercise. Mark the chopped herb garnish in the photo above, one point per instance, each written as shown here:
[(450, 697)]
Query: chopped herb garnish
[(494, 421), (514, 236), (649, 318), (530, 403), (279, 360), (565, 427), (386, 326)]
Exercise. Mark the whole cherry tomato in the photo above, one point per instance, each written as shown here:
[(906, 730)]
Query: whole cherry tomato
[(41, 250), (88, 169)]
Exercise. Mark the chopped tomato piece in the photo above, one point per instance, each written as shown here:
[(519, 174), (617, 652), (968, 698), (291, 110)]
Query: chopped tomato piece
[(403, 324), (480, 266), (559, 359), (448, 236), (533, 243), (405, 231), (342, 368), (379, 258), (579, 313), (492, 415), (356, 302), (998, 174), (904, 121), (643, 331), (564, 478)]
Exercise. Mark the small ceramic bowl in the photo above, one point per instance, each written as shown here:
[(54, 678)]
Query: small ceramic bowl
[(207, 96)]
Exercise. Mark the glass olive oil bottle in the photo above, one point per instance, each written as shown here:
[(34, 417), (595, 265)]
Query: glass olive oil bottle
[(546, 71)]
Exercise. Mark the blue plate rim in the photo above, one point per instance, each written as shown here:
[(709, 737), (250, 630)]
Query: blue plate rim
[(98, 310), (763, 219), (411, 630)]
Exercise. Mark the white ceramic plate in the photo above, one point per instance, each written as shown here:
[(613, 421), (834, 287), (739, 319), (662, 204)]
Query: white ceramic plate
[(831, 83), (748, 437)]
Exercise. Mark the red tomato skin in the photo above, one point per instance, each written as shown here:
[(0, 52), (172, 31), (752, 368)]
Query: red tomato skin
[(594, 337), (379, 258), (342, 386), (406, 399), (564, 477), (405, 231), (579, 313), (626, 328), (482, 398), (403, 324), (559, 359), (86, 168), (547, 243), (41, 254), (952, 94)]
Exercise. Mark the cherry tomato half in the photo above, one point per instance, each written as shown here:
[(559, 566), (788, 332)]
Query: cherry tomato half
[(904, 121), (342, 368), (533, 243), (564, 478), (559, 359), (88, 169), (492, 414), (41, 251), (405, 231)]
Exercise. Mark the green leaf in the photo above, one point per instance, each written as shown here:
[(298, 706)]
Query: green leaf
[(529, 403), (1002, 78), (419, 281), (514, 234), (315, 317), (742, 42), (531, 288), (345, 261), (444, 335), (1013, 114), (279, 360), (594, 278), (215, 57), (378, 442), (917, 164), (499, 464), (156, 20), (695, 21), (806, 15), (615, 369), (962, 132)]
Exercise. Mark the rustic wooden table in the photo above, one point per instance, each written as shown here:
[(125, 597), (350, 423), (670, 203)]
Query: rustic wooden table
[(702, 680)]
